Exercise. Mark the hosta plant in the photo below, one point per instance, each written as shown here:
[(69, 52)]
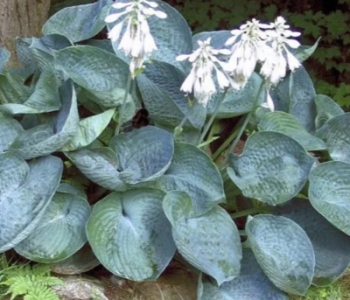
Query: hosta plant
[(113, 136)]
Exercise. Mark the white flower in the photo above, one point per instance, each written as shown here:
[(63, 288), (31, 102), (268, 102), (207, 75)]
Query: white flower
[(137, 41), (248, 48), (204, 62), (279, 57)]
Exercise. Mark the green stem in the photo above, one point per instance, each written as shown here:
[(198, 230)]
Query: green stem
[(212, 118), (291, 83), (239, 135), (184, 119), (227, 142), (121, 111), (178, 129), (249, 211), (212, 131), (246, 121)]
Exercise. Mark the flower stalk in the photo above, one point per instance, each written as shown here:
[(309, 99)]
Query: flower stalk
[(122, 108)]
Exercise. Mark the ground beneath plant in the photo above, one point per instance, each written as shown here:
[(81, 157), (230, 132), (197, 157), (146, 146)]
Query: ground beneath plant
[(176, 283)]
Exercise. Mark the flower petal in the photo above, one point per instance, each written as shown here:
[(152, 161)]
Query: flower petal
[(114, 33), (292, 43)]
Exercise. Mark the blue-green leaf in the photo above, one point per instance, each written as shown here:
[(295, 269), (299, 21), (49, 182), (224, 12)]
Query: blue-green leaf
[(80, 22), (45, 97), (273, 167), (138, 156), (239, 102), (12, 88), (189, 135), (160, 90), (60, 232), (218, 38), (47, 138), (300, 100), (80, 262), (25, 193), (283, 251), (302, 53), (331, 246), (336, 133), (326, 109), (4, 57), (287, 124), (101, 73), (193, 172), (98, 71), (210, 242), (88, 130), (9, 130), (252, 283), (130, 234), (24, 54), (329, 193), (43, 51), (144, 154), (99, 165)]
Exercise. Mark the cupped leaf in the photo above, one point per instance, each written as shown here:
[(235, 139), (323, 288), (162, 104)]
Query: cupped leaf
[(45, 97), (60, 232), (99, 165), (282, 122), (144, 154), (273, 167), (130, 234), (331, 246), (252, 283), (46, 138), (299, 101), (239, 102), (160, 90), (9, 130), (209, 242), (284, 252), (336, 134), (193, 172), (79, 22), (172, 35), (329, 193), (134, 157), (88, 130), (25, 193), (326, 109), (82, 261)]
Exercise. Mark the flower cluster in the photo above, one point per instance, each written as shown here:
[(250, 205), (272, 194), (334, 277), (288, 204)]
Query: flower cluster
[(204, 60), (251, 44), (137, 41), (275, 64)]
